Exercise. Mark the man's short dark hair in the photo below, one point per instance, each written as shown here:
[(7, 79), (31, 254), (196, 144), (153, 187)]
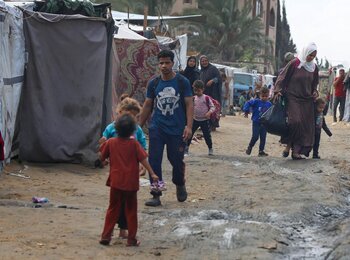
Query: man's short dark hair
[(125, 125), (166, 54)]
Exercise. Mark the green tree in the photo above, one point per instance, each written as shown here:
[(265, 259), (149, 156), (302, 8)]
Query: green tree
[(322, 64), (229, 34), (284, 41), (327, 65)]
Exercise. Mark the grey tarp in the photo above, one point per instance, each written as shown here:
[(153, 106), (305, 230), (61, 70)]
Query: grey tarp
[(61, 112), (12, 57)]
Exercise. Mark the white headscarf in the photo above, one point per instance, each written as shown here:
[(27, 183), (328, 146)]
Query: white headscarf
[(309, 66)]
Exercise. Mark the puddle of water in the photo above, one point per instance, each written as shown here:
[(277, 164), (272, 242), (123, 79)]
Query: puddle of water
[(237, 163), (312, 245), (309, 242), (160, 222), (227, 237), (182, 231), (274, 216)]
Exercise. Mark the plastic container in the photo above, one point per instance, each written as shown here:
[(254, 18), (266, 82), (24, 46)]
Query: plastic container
[(40, 200)]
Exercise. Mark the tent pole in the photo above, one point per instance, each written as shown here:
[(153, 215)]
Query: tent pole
[(145, 14)]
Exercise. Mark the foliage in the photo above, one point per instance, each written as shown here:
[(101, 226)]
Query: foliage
[(284, 41), (322, 64), (229, 34)]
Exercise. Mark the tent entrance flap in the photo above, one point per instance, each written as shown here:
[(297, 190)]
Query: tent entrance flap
[(66, 77)]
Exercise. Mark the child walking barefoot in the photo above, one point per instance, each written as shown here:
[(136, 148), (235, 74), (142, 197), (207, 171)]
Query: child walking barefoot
[(133, 108), (124, 154)]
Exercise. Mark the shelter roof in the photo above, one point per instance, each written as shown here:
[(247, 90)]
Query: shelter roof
[(117, 15), (124, 32)]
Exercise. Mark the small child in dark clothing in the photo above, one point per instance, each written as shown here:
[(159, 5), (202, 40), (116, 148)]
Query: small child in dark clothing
[(125, 154), (242, 100), (320, 123), (259, 106)]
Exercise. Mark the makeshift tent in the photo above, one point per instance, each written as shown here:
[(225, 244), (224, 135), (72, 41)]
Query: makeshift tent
[(66, 101), (229, 71), (139, 18), (178, 46), (12, 58), (134, 63)]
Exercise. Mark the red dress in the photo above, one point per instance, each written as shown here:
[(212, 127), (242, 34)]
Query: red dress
[(124, 156)]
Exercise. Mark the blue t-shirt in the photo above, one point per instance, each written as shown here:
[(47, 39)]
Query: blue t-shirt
[(258, 106), (169, 113), (110, 132)]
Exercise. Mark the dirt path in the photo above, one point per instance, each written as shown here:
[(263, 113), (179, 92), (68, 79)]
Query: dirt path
[(239, 206)]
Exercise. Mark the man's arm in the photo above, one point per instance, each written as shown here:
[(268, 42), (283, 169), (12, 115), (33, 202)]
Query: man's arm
[(146, 111), (189, 118)]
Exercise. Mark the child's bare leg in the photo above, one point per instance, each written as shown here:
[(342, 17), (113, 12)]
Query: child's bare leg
[(286, 150), (123, 233)]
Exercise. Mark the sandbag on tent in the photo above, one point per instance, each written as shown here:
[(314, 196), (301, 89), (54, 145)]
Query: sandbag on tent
[(65, 85), (12, 58)]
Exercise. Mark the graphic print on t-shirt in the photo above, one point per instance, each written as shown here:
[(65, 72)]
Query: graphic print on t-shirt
[(168, 101), (319, 120)]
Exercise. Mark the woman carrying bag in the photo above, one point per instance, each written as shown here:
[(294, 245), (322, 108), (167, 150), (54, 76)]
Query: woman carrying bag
[(297, 83)]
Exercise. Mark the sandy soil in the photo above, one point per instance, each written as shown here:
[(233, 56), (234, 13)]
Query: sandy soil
[(239, 206)]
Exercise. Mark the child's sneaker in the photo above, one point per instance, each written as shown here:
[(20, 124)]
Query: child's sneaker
[(262, 154), (316, 156), (211, 151), (249, 150)]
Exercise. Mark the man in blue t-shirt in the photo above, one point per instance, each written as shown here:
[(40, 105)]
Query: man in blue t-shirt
[(170, 96)]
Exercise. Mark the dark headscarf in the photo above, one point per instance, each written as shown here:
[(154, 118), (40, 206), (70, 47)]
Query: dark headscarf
[(208, 73), (191, 73)]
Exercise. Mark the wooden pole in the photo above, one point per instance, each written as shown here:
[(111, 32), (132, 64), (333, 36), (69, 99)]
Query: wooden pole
[(145, 14)]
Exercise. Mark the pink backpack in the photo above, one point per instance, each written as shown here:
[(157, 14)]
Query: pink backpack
[(215, 116)]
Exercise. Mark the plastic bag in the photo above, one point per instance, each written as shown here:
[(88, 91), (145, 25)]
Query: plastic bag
[(275, 119)]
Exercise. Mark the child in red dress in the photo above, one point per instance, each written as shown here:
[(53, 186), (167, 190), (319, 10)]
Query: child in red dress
[(124, 154)]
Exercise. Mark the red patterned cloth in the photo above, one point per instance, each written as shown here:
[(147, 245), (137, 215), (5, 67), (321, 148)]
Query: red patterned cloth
[(134, 63)]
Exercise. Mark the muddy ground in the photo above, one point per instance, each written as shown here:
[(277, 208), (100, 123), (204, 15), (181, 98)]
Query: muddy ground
[(239, 206)]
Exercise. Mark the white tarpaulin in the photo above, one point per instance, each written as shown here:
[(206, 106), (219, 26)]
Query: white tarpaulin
[(12, 59), (125, 33), (178, 46)]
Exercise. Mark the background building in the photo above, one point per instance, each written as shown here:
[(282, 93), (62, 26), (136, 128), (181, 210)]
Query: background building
[(180, 5), (266, 10)]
